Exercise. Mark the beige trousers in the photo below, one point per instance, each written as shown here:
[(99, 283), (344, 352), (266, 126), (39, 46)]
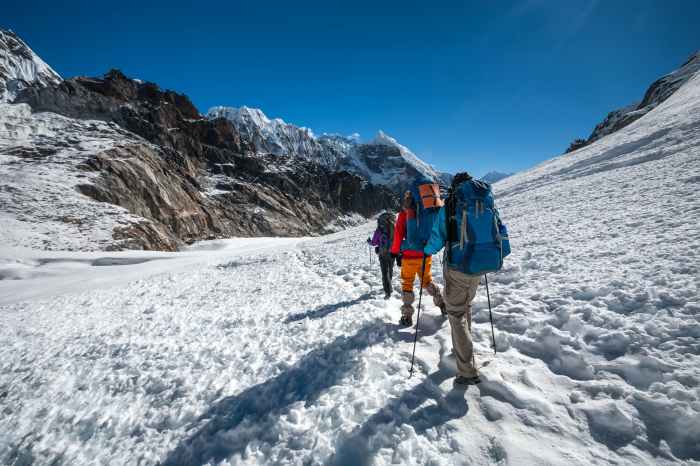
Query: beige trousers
[(460, 290)]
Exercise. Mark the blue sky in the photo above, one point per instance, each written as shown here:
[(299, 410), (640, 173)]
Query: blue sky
[(466, 85)]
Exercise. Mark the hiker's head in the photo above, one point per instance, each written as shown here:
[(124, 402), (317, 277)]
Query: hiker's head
[(460, 177), (408, 202)]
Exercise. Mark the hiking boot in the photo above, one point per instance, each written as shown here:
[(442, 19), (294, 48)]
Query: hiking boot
[(387, 295), (462, 380), (406, 321)]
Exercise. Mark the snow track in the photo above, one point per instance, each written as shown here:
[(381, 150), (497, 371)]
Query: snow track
[(288, 356)]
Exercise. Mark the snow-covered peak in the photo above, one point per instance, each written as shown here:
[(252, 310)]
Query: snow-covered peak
[(495, 176), (20, 67), (241, 114), (384, 139), (275, 136), (425, 169)]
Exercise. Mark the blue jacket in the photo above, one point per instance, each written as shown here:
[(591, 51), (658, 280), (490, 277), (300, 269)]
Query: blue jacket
[(438, 236)]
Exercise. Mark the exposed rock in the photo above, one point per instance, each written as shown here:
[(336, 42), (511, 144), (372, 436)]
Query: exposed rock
[(382, 160), (198, 179), (655, 95), (576, 144), (179, 177)]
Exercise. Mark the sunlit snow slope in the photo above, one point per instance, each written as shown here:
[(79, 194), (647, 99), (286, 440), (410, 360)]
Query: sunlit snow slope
[(281, 352)]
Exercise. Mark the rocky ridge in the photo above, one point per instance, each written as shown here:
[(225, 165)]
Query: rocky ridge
[(657, 93), (382, 160), (154, 174)]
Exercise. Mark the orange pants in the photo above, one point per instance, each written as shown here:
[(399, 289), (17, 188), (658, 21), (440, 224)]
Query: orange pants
[(410, 269)]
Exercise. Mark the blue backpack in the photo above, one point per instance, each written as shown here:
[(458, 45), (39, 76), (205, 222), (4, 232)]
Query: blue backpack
[(426, 194), (477, 240)]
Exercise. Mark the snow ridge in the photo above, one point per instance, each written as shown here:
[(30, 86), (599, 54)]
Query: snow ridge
[(656, 94), (275, 136), (20, 67)]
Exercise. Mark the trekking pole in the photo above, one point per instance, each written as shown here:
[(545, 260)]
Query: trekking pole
[(488, 296), (420, 296), (369, 248)]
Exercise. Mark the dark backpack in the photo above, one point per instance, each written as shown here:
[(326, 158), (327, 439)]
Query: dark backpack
[(477, 240), (385, 225)]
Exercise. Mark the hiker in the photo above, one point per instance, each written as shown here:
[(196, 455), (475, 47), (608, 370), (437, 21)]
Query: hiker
[(381, 240), (475, 241), (407, 248)]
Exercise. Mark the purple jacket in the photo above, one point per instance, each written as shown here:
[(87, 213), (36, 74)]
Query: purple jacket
[(376, 238), (380, 240)]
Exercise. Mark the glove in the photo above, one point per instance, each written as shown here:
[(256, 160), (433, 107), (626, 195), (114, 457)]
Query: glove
[(376, 250), (398, 260), (369, 241)]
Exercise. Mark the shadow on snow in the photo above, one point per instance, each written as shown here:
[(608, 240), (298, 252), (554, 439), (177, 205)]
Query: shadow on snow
[(323, 311), (358, 448), (227, 427)]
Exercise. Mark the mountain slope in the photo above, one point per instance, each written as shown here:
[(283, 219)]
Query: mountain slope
[(271, 351), (20, 67), (656, 94), (113, 163), (382, 161)]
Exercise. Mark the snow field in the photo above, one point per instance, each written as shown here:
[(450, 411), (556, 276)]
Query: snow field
[(288, 356), (39, 205)]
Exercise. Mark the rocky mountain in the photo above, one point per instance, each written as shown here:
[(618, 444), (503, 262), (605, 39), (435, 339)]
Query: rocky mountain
[(494, 176), (114, 163), (382, 161), (656, 94), (20, 67)]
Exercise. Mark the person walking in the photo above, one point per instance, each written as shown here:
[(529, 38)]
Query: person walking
[(381, 240), (475, 241), (409, 256)]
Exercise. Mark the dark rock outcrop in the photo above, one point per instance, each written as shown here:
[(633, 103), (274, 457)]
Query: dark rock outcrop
[(576, 144)]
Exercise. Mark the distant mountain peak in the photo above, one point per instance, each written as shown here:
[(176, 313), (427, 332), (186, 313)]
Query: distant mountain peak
[(20, 67), (392, 167), (494, 176), (384, 139)]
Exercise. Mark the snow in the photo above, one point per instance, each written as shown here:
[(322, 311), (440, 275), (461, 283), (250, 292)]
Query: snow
[(384, 139), (275, 136), (39, 205), (20, 67), (271, 136), (280, 351), (495, 176)]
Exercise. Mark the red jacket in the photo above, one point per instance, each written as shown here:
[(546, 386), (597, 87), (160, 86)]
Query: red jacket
[(400, 235)]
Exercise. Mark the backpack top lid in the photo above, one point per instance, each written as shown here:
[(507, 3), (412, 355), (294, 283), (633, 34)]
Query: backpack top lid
[(426, 193), (385, 221), (472, 189)]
